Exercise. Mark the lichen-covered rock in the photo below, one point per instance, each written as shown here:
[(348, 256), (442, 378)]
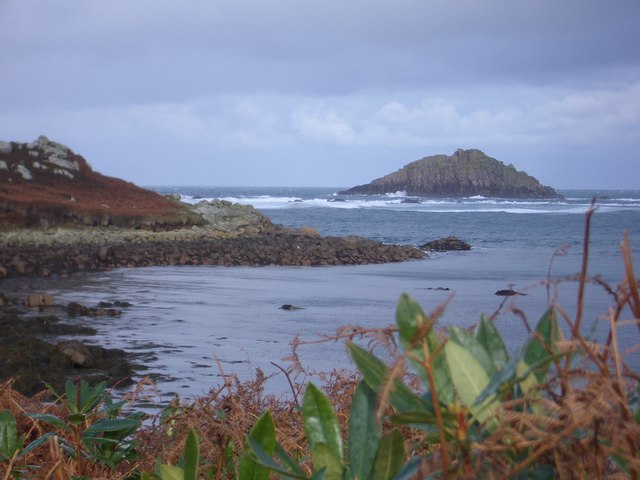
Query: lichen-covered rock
[(232, 217), (465, 173)]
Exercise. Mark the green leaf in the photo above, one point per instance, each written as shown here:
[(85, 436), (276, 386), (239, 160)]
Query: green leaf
[(263, 458), (191, 456), (325, 457), (171, 472), (288, 461), (542, 342), (470, 379), (375, 373), (71, 390), (91, 397), (487, 334), (320, 421), (8, 434), (409, 318), (473, 346), (538, 348), (264, 433), (123, 425), (37, 442), (416, 335), (51, 420), (390, 456), (410, 469), (364, 434)]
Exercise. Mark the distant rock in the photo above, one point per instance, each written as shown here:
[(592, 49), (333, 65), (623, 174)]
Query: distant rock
[(44, 184), (288, 306), (465, 173), (446, 244), (508, 293)]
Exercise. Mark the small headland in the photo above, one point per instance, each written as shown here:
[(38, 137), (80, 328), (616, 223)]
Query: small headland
[(59, 217)]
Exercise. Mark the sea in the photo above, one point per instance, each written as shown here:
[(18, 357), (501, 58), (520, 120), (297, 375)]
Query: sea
[(192, 326)]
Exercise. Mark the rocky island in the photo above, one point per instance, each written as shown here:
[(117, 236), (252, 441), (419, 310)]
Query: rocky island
[(465, 173)]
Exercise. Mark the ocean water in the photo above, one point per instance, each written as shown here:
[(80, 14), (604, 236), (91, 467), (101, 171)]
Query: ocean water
[(189, 323)]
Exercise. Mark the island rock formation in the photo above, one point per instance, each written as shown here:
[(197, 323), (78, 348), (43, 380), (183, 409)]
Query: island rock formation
[(45, 184), (465, 173)]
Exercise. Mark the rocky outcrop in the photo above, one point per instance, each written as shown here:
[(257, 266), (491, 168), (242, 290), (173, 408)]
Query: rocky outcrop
[(44, 184), (446, 244), (279, 247), (227, 217), (465, 173)]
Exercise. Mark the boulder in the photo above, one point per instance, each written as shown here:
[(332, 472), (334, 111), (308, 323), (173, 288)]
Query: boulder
[(77, 352), (446, 244), (39, 300), (232, 217)]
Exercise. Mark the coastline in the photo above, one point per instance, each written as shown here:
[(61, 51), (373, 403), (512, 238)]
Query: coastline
[(65, 251), (37, 330)]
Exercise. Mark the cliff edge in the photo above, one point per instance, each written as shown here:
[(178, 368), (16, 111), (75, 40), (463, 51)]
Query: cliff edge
[(465, 173)]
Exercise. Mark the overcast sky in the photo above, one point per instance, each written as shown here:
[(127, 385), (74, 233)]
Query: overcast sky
[(325, 93)]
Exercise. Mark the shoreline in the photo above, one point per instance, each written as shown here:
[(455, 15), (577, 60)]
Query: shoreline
[(65, 251), (38, 332)]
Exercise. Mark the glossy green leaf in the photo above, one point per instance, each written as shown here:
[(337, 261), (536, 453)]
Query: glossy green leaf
[(375, 373), (263, 433), (8, 435), (489, 337), (390, 456), (51, 420), (541, 344), (364, 434), (474, 347), (409, 319), (37, 442), (320, 421), (287, 461), (263, 458), (470, 379), (71, 391), (324, 457), (191, 456), (113, 425), (171, 472), (416, 335)]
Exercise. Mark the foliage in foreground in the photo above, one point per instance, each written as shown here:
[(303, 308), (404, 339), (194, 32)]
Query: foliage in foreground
[(451, 404)]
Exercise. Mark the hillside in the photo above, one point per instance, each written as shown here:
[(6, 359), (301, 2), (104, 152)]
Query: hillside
[(45, 184), (463, 174)]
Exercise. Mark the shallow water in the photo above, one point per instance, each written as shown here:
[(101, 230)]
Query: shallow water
[(183, 318)]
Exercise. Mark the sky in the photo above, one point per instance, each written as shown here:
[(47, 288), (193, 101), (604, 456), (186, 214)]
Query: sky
[(325, 93)]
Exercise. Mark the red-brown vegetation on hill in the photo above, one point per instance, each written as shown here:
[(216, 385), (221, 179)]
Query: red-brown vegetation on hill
[(44, 184)]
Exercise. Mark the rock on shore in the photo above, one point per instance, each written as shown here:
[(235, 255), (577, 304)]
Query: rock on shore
[(465, 173)]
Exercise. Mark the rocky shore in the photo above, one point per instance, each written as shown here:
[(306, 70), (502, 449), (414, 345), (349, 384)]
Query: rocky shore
[(58, 217), (63, 253)]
